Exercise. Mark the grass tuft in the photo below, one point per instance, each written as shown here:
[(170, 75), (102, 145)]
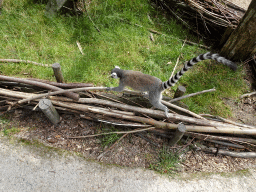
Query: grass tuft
[(167, 163)]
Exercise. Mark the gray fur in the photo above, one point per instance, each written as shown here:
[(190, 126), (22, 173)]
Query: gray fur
[(154, 86)]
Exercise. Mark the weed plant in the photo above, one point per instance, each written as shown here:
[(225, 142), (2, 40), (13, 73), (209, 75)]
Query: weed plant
[(26, 33), (167, 162)]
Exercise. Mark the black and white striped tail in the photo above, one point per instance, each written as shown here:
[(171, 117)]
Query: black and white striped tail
[(171, 82)]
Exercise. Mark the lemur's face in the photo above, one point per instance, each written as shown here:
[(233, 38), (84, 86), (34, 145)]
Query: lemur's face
[(113, 73)]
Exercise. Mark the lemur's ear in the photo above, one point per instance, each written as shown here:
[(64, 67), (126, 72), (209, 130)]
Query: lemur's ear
[(117, 67)]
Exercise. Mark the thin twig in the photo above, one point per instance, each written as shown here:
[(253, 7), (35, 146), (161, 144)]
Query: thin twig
[(229, 121), (60, 92), (202, 136), (192, 94), (182, 109), (116, 132), (79, 47), (23, 61), (74, 96), (229, 153), (91, 19), (177, 61), (247, 95)]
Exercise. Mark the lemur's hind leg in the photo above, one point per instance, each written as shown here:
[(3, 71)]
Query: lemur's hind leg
[(155, 98)]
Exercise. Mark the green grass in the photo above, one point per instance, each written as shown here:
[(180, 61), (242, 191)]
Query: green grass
[(26, 33), (167, 162), (6, 129), (109, 139)]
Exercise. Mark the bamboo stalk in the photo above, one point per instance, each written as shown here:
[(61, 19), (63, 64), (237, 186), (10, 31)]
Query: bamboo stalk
[(192, 94)]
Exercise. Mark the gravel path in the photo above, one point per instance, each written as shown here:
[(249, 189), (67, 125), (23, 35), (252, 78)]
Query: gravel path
[(25, 168)]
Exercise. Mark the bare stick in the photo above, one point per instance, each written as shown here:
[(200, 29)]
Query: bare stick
[(116, 132), (182, 109), (192, 94), (23, 61), (229, 153), (226, 144), (229, 121), (121, 124), (60, 92), (247, 95), (177, 61), (39, 84), (63, 85), (79, 47), (231, 139)]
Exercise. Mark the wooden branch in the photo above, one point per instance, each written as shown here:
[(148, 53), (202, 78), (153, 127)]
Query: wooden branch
[(222, 138), (229, 153), (248, 94), (182, 109), (60, 92), (116, 132), (63, 85), (229, 121), (177, 61), (39, 84), (79, 47), (192, 94), (226, 144), (23, 61), (121, 124)]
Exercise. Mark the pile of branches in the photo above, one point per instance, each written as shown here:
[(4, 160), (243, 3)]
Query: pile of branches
[(102, 106), (213, 15)]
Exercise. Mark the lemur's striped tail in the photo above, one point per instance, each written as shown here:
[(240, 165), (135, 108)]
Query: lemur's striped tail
[(171, 82)]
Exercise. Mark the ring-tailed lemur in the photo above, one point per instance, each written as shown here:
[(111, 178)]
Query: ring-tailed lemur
[(153, 85)]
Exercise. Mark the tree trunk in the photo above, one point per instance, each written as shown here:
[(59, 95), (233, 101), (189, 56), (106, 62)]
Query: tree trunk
[(241, 44)]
